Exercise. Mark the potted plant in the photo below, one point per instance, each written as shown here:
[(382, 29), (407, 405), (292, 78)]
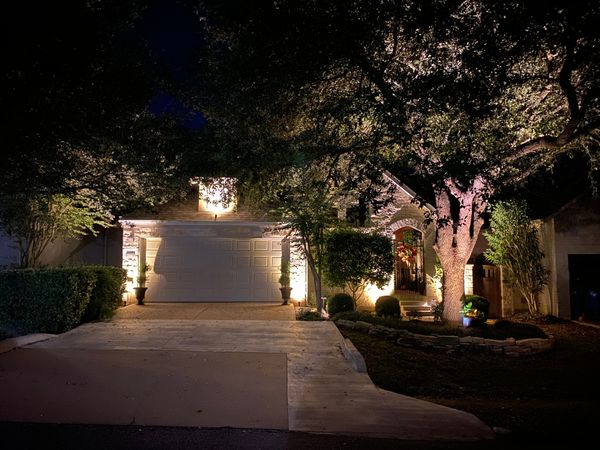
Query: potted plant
[(284, 281), (140, 290), (475, 310)]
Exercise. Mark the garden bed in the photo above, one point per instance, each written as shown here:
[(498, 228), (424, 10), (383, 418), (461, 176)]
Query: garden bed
[(543, 397), (502, 329)]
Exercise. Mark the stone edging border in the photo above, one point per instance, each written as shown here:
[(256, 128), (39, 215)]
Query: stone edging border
[(509, 347), (353, 356)]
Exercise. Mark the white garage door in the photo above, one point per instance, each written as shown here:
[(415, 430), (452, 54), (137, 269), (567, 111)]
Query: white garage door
[(196, 269)]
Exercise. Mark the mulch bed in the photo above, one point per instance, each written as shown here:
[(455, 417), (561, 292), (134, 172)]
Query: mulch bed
[(551, 395)]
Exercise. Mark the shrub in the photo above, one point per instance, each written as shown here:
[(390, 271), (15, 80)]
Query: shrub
[(107, 294), (476, 307), (437, 309), (387, 306), (503, 329), (312, 316), (414, 326), (44, 300), (339, 302)]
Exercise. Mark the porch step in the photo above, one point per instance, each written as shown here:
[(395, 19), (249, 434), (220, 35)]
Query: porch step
[(412, 304)]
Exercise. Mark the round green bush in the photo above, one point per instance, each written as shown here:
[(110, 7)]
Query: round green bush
[(338, 303), (387, 306)]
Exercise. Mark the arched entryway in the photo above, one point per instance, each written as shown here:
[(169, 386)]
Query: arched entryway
[(408, 271)]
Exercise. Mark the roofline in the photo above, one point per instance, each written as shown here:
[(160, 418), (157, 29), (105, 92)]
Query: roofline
[(150, 222), (408, 191), (565, 206)]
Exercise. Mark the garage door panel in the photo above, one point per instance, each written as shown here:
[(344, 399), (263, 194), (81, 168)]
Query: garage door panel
[(261, 261), (243, 245), (189, 269), (243, 261)]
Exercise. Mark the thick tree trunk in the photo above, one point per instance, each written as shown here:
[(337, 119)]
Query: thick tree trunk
[(453, 288), (456, 235)]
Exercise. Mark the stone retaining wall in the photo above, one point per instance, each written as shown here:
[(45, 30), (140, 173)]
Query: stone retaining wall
[(510, 346)]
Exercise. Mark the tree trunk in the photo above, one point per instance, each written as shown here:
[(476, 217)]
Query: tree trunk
[(316, 276), (456, 235), (453, 288)]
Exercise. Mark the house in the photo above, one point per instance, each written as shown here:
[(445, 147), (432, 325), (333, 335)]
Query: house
[(206, 249), (104, 249), (570, 239)]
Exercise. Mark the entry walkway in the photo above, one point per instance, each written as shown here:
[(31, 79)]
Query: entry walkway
[(324, 394)]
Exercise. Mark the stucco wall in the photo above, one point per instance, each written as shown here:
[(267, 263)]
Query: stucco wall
[(576, 232), (103, 249)]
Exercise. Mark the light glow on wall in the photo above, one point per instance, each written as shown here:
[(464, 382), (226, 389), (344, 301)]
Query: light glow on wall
[(297, 275), (372, 292), (217, 195)]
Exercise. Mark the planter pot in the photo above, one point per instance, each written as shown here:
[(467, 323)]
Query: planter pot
[(466, 321), (285, 294), (140, 293)]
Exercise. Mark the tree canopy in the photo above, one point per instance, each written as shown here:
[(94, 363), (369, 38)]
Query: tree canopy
[(471, 95)]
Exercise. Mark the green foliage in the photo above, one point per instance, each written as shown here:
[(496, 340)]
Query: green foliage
[(514, 244), (414, 326), (284, 278), (36, 221), (305, 199), (387, 306), (353, 258), (44, 300), (437, 309), (474, 95), (310, 316), (503, 329), (339, 302), (107, 294), (143, 268), (475, 307)]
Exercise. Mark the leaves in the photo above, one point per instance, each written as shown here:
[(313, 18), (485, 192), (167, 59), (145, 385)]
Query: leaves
[(514, 244), (38, 220), (353, 258)]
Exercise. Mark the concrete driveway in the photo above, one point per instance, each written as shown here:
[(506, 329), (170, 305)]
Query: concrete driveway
[(239, 373)]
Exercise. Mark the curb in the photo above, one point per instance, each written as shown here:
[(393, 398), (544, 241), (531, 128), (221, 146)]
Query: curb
[(10, 344), (353, 356)]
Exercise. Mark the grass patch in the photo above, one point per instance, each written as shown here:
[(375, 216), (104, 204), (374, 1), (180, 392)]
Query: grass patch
[(551, 395)]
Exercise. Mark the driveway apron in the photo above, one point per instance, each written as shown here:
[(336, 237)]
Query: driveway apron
[(252, 373)]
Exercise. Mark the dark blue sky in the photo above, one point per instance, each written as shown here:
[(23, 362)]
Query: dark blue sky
[(173, 34)]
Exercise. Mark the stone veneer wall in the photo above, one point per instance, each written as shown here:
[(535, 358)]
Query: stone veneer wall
[(509, 347)]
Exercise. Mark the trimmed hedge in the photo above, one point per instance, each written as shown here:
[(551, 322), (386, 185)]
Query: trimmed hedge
[(339, 302), (54, 300), (44, 300), (387, 306), (107, 294)]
